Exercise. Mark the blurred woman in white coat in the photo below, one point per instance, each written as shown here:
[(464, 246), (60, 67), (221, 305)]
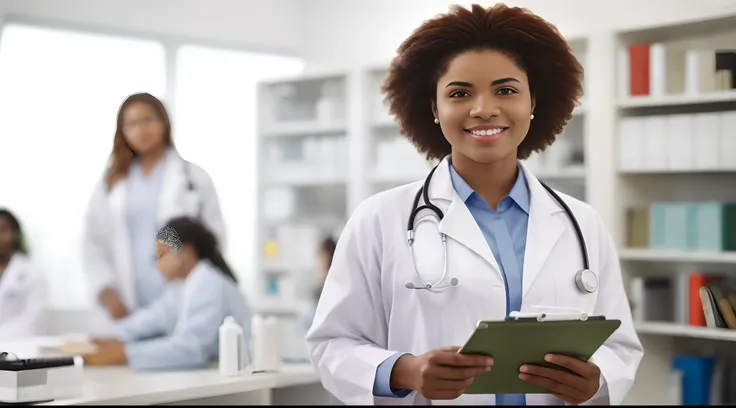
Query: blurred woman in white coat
[(145, 184), (22, 286), (180, 329)]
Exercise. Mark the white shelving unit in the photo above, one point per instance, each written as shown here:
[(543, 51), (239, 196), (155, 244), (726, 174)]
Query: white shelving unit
[(563, 166), (586, 165), (662, 173), (303, 191), (391, 159)]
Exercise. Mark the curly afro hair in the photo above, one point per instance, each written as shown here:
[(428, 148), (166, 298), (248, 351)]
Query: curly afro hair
[(537, 47)]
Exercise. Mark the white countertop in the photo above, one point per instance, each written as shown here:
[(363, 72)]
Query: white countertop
[(120, 385)]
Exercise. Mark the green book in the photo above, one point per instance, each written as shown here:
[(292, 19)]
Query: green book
[(515, 343)]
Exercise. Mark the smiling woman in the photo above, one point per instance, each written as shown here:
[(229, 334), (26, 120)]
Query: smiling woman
[(479, 89)]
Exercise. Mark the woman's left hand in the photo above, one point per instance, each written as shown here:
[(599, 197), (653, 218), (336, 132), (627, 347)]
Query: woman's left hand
[(571, 388), (109, 352)]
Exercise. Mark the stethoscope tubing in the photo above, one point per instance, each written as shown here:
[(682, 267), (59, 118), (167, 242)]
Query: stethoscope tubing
[(424, 194)]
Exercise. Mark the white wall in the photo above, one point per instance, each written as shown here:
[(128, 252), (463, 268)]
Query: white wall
[(345, 33), (267, 25)]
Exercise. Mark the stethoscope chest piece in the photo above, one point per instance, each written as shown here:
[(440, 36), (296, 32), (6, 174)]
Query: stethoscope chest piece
[(587, 281)]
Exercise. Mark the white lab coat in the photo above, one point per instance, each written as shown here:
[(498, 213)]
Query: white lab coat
[(23, 302), (180, 329), (366, 313), (106, 247)]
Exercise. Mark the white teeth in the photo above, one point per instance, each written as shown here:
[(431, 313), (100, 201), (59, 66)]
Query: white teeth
[(489, 132)]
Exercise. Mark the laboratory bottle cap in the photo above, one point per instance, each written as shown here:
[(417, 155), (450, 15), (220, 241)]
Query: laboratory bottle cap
[(229, 320)]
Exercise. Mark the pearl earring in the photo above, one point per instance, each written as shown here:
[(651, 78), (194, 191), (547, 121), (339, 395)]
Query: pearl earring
[(436, 121), (532, 116)]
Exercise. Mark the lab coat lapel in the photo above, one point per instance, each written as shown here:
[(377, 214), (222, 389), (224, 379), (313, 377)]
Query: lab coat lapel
[(174, 182), (545, 227), (458, 223), (118, 197)]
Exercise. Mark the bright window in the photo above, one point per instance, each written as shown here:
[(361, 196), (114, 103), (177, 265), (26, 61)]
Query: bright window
[(216, 127), (59, 95)]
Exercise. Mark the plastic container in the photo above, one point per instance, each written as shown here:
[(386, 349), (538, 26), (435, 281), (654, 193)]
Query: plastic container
[(266, 344), (233, 356)]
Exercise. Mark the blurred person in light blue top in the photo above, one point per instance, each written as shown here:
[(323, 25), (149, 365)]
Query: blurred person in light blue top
[(145, 184), (180, 329)]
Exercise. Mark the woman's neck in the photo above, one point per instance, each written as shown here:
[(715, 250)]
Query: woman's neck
[(5, 260), (189, 266), (492, 181), (148, 160)]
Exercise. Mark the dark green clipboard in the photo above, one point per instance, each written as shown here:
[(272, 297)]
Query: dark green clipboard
[(514, 343)]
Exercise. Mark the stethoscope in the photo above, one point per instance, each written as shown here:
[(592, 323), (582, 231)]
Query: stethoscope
[(585, 279), (191, 187)]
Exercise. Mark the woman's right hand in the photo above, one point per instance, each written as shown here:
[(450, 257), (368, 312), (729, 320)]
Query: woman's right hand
[(111, 300), (440, 374)]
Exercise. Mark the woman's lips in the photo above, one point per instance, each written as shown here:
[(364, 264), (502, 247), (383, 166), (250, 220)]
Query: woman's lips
[(489, 135)]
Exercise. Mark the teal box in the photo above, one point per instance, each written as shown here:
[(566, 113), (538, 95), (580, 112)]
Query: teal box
[(713, 226), (671, 226), (657, 232), (677, 224)]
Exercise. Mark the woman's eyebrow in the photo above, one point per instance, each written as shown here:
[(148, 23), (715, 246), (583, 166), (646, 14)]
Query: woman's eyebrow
[(494, 83), (459, 83), (504, 80)]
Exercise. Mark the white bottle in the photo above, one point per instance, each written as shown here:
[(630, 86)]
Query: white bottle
[(233, 356), (266, 344)]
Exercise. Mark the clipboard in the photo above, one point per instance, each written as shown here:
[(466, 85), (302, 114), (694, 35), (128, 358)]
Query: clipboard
[(526, 340)]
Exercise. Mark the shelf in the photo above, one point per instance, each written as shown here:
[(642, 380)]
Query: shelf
[(681, 330), (651, 255), (303, 128), (277, 266), (309, 76), (570, 174), (677, 100), (273, 306), (665, 172), (377, 176), (304, 179)]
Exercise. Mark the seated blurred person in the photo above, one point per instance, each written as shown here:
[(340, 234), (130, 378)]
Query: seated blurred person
[(325, 253), (22, 286), (180, 329)]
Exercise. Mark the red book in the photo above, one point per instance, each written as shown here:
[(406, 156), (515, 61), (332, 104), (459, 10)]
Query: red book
[(639, 69), (697, 281)]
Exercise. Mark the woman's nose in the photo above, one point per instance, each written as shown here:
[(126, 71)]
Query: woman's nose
[(485, 107)]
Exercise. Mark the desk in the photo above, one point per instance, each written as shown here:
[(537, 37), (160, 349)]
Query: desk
[(295, 384)]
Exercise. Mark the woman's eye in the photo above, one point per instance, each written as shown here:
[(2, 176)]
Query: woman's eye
[(506, 91), (458, 93)]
